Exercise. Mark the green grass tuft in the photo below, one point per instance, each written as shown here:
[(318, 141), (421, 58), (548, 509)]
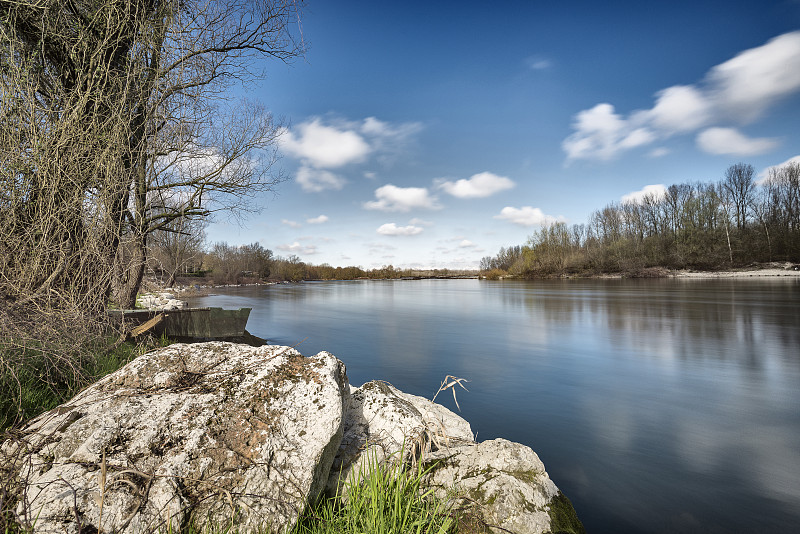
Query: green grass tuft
[(382, 499)]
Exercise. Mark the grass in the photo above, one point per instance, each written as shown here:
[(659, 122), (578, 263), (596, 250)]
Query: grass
[(33, 380), (389, 499), (31, 383), (385, 498)]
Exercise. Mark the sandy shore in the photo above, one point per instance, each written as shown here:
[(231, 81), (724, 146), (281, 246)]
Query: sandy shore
[(782, 270)]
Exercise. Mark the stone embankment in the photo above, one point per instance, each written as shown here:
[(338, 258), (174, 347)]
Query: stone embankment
[(212, 432)]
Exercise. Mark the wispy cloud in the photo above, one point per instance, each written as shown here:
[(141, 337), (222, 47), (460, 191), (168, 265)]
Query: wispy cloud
[(764, 175), (741, 89), (658, 152), (298, 248), (636, 197), (538, 62), (527, 216), (323, 146), (392, 198), (392, 229), (291, 224), (731, 141), (479, 185), (316, 180), (318, 220)]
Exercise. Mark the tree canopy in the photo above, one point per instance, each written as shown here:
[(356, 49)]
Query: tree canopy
[(115, 121)]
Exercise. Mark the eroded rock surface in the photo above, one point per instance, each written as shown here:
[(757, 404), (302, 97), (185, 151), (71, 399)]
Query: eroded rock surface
[(509, 484), (231, 435), (380, 420), (211, 430)]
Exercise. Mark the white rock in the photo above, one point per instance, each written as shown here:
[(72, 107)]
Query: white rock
[(381, 421), (197, 430), (506, 480)]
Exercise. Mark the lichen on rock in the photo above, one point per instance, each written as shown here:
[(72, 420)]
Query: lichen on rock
[(507, 484), (199, 433), (218, 434), (382, 421)]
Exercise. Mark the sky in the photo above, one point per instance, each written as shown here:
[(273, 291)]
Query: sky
[(427, 134)]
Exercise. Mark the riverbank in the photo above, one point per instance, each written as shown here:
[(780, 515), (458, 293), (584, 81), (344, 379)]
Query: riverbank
[(757, 271)]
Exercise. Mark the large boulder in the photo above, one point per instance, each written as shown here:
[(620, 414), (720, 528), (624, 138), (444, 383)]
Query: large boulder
[(381, 422), (203, 434), (506, 483), (221, 435)]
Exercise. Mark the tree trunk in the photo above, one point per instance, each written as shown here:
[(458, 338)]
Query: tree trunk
[(172, 276), (130, 272)]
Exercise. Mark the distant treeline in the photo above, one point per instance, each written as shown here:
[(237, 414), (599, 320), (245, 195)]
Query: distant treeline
[(228, 264), (733, 222)]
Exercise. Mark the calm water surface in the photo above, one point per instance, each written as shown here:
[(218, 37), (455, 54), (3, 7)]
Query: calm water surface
[(656, 405)]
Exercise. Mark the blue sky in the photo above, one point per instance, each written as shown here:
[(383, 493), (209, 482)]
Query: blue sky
[(430, 134)]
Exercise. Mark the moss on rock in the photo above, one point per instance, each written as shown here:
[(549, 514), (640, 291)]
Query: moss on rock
[(563, 518)]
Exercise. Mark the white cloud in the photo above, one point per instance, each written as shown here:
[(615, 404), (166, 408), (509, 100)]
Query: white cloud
[(740, 89), (748, 84), (392, 198), (324, 146), (315, 180), (538, 63), (636, 197), (387, 132), (480, 185), (466, 243), (763, 176), (394, 230), (658, 152), (681, 108), (731, 141), (297, 248), (379, 248), (602, 134), (527, 216), (291, 224), (318, 220), (420, 222)]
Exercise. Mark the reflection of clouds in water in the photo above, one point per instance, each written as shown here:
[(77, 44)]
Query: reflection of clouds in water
[(775, 465), (766, 455), (613, 423), (536, 334)]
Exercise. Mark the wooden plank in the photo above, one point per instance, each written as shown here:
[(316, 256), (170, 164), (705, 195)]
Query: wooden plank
[(144, 327)]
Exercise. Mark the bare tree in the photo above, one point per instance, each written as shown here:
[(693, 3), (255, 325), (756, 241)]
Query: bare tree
[(204, 154), (740, 188), (176, 246), (725, 202), (115, 122)]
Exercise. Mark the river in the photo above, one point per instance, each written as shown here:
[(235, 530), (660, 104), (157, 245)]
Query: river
[(657, 406)]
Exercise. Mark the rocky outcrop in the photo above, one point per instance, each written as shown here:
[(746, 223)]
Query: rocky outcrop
[(382, 421), (509, 482), (217, 432)]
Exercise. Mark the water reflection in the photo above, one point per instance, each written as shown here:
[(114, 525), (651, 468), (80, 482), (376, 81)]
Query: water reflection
[(657, 405)]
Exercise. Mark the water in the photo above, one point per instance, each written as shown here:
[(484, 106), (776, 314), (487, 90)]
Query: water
[(657, 406)]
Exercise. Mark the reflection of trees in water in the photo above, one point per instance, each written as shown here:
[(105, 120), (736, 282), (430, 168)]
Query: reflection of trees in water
[(690, 320)]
